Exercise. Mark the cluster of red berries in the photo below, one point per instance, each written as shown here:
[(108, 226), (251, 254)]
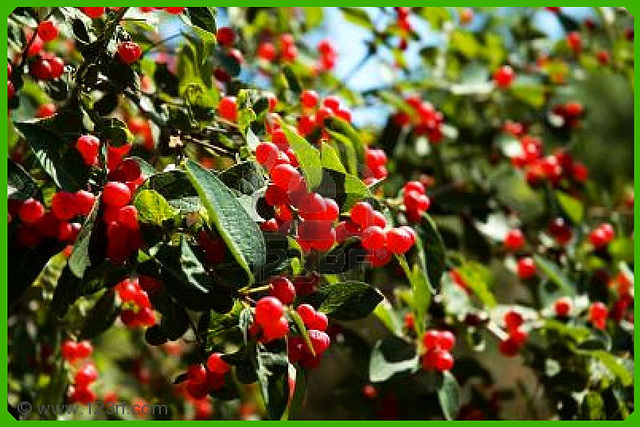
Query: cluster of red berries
[(121, 218), (517, 335), (438, 346), (598, 313), (404, 25), (425, 119), (203, 380), (46, 67), (85, 375), (574, 41), (38, 224), (316, 324), (129, 52), (415, 200), (285, 50), (134, 296), (314, 114), (328, 56), (270, 322), (602, 235), (552, 168), (504, 76), (570, 112), (226, 37), (376, 162)]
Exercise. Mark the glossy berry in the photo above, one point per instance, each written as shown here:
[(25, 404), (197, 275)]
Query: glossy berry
[(443, 360), (228, 109), (399, 241), (513, 320), (31, 211), (562, 307), (93, 12), (47, 31), (362, 214), (63, 205), (88, 146), (268, 310), (267, 154), (129, 52), (374, 238), (69, 350), (514, 240), (267, 51), (508, 348), (526, 268), (518, 336), (217, 365), (504, 76), (309, 99), (285, 176), (446, 340), (283, 289), (86, 375), (226, 36), (116, 194)]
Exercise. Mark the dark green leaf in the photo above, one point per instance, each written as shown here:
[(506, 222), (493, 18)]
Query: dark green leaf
[(101, 316), (272, 367), (448, 395), (308, 157), (80, 258), (391, 357), (346, 300)]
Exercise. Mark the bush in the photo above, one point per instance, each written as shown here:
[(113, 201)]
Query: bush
[(216, 221)]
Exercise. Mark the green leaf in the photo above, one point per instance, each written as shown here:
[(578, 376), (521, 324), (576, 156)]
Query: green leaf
[(345, 189), (232, 222), (187, 281), (307, 155), (346, 300), (553, 273), (344, 146), (384, 312), (245, 177), (301, 327), (478, 278), (530, 93), (176, 188), (420, 291), (571, 206), (101, 316), (346, 256), (357, 16), (273, 375), (63, 164), (392, 357), (612, 363), (465, 43), (153, 209), (80, 258), (448, 395), (592, 407), (292, 80), (201, 17), (431, 251), (20, 185), (330, 159)]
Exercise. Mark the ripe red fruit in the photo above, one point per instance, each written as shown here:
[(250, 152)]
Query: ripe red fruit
[(84, 349), (446, 340), (63, 205), (562, 307), (513, 320), (89, 147), (279, 138), (514, 240), (275, 330), (46, 110), (508, 348), (504, 76), (174, 10), (526, 268), (373, 238), (129, 52), (228, 109), (307, 313), (267, 51), (320, 341), (320, 322), (574, 40), (69, 350), (413, 186), (116, 194), (226, 36), (443, 360), (93, 12), (309, 99), (47, 31), (399, 240), (267, 154), (598, 312), (216, 364), (84, 202), (430, 339), (283, 289), (518, 336), (197, 374), (86, 375), (560, 230), (268, 310), (362, 214), (285, 176), (30, 211), (332, 102)]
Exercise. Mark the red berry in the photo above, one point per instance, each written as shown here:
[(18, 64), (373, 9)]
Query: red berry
[(431, 338), (560, 230), (508, 348), (275, 330), (398, 240), (285, 176), (518, 336), (320, 322), (446, 340), (514, 240), (226, 36), (267, 51), (283, 289), (307, 313), (93, 12), (526, 268), (309, 99), (598, 311), (84, 349), (513, 320), (443, 360), (216, 364), (574, 40), (174, 10), (562, 307), (197, 374), (332, 102), (89, 147), (228, 109), (129, 52), (47, 31), (279, 138), (319, 341), (362, 214), (84, 202), (373, 238), (69, 350), (267, 154), (414, 186), (30, 211), (504, 76), (128, 216), (268, 310), (86, 375), (116, 194), (63, 205)]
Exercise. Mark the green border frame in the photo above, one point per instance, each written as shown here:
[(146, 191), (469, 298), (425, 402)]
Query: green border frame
[(633, 7)]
